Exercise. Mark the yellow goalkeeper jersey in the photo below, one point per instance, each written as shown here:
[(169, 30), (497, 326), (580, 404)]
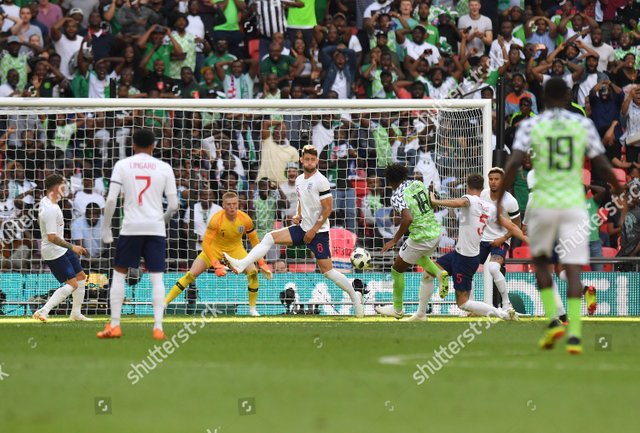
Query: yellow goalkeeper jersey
[(225, 236)]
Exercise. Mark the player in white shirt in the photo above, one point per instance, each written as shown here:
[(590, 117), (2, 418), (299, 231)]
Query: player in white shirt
[(58, 254), (311, 227), (463, 263), (495, 238), (143, 180)]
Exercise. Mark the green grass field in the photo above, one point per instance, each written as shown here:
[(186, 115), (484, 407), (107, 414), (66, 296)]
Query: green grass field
[(315, 375)]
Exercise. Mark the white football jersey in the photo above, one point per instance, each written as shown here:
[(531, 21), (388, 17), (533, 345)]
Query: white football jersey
[(310, 192), (144, 180), (473, 220), (51, 222), (510, 210)]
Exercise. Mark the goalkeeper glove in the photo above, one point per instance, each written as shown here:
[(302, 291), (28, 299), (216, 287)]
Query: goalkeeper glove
[(219, 269), (265, 269)]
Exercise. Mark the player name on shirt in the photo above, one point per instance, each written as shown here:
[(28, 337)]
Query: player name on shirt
[(473, 220), (142, 165)]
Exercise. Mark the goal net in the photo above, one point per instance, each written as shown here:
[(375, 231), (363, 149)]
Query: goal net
[(252, 148)]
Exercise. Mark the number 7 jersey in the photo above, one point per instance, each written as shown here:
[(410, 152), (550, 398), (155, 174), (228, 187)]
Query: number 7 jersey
[(144, 181), (558, 141), (414, 195)]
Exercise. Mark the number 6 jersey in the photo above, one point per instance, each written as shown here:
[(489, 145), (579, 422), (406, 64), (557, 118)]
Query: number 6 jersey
[(414, 195), (558, 141), (144, 180)]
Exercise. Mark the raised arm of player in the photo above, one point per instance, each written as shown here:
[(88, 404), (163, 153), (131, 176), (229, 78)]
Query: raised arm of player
[(450, 202), (327, 208)]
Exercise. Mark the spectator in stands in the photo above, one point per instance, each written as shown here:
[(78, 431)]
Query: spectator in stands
[(280, 267), (425, 164), (187, 43), (20, 188), (280, 65), (630, 227), (220, 53), (153, 42), (276, 152), (631, 112), (605, 51), (230, 29), (87, 195), (544, 35), (418, 47), (288, 188), (132, 18), (338, 72), (502, 45), (10, 87), (15, 242), (236, 83), (25, 29), (48, 13), (66, 41), (197, 216), (10, 10), (268, 200), (590, 77), (12, 58), (85, 231), (478, 32), (101, 40), (512, 100), (187, 86), (373, 201)]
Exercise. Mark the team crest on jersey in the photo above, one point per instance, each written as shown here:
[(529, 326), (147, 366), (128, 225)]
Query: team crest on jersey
[(241, 229)]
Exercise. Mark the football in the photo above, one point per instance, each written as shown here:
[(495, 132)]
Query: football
[(360, 258)]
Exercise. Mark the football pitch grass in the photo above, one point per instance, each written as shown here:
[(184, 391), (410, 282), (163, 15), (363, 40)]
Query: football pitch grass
[(315, 374)]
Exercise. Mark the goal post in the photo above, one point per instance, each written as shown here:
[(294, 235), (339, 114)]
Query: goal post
[(216, 144)]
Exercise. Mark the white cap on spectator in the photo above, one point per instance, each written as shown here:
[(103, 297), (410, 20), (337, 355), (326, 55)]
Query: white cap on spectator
[(76, 11)]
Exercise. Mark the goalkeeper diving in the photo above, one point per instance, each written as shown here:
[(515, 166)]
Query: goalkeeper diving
[(224, 235)]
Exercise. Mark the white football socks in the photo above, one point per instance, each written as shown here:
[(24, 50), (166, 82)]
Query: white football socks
[(426, 290), (116, 297), (157, 298), (78, 298), (556, 294), (482, 309), (343, 282), (500, 282), (257, 252), (55, 299)]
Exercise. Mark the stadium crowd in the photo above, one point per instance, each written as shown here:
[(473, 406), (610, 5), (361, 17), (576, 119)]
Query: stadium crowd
[(277, 49)]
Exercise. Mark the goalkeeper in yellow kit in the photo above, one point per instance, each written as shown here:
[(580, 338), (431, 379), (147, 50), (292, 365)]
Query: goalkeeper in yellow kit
[(224, 235)]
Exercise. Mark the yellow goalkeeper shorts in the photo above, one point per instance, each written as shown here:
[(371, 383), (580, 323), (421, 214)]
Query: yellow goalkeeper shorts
[(237, 253)]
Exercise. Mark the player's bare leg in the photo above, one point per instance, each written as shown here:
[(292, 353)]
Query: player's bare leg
[(78, 299), (277, 237), (555, 329), (116, 299), (326, 267), (58, 296)]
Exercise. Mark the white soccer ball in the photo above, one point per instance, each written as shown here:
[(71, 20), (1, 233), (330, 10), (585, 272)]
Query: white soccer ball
[(360, 258)]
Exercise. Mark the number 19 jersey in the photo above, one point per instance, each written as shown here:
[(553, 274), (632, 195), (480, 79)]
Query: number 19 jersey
[(558, 140), (414, 195), (144, 180)]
